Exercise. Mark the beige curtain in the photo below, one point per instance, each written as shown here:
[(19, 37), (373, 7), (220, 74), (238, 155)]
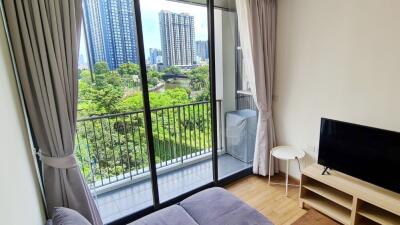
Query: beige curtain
[(257, 28), (45, 41)]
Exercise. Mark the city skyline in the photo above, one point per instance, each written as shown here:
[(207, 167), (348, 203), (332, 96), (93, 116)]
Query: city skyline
[(151, 29)]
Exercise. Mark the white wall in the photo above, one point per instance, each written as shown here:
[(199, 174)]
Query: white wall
[(338, 59), (20, 199)]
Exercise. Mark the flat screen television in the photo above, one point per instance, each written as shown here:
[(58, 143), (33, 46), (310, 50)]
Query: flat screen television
[(367, 153)]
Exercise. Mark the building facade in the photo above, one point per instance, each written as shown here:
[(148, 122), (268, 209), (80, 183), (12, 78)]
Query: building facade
[(155, 56), (111, 31), (94, 31), (177, 38), (202, 50)]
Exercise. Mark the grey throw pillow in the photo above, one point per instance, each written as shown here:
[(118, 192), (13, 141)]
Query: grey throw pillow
[(66, 216)]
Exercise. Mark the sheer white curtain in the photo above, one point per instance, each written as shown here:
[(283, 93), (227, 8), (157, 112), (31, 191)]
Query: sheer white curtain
[(257, 24)]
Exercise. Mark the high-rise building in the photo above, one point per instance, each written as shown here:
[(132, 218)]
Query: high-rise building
[(155, 56), (111, 31), (177, 38), (94, 31), (202, 50)]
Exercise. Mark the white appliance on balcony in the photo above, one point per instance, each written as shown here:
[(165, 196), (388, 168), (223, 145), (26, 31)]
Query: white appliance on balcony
[(241, 128)]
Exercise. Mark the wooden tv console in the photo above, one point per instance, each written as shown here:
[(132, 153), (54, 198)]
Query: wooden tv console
[(346, 199)]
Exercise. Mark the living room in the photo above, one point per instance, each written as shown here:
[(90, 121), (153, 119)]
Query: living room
[(332, 60)]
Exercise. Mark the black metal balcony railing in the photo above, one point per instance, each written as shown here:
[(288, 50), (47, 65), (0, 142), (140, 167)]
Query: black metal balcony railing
[(113, 147)]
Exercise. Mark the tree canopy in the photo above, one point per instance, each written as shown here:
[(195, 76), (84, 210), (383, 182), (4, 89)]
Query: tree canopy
[(199, 78), (108, 93), (101, 68), (173, 70), (178, 130), (128, 69)]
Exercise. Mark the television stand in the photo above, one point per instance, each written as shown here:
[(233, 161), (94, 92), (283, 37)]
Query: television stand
[(346, 199), (326, 171)]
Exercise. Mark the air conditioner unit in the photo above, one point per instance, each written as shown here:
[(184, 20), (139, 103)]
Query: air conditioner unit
[(240, 134)]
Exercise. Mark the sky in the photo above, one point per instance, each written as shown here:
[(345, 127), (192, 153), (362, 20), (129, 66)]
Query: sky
[(150, 21)]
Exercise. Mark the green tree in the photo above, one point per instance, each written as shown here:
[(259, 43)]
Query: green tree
[(131, 103), (101, 67), (85, 75), (153, 73), (200, 69), (111, 78), (171, 97), (199, 78), (177, 96), (129, 69), (204, 96), (101, 96), (153, 77), (173, 70)]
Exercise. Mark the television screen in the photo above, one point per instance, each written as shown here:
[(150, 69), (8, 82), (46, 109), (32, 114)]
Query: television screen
[(370, 154)]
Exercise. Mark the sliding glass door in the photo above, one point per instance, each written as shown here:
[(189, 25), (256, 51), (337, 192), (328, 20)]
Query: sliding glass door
[(176, 48), (111, 134), (157, 79), (237, 123)]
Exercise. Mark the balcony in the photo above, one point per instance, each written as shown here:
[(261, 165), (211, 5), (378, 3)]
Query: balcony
[(112, 151)]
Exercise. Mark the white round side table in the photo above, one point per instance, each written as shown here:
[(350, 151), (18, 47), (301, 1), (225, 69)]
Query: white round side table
[(284, 153)]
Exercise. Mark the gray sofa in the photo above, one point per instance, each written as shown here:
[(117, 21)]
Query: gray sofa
[(214, 206)]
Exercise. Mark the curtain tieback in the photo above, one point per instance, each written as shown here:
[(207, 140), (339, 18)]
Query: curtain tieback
[(268, 114), (64, 162), (266, 111)]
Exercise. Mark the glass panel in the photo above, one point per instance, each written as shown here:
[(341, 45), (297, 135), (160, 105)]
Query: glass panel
[(176, 45), (111, 138), (236, 122)]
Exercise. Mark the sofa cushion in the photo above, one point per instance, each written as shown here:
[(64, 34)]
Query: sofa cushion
[(216, 206), (173, 215), (66, 216)]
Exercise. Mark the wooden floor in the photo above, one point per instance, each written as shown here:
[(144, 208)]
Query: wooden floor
[(269, 200)]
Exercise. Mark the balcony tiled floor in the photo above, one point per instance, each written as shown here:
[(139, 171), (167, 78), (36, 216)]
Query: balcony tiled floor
[(132, 198)]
